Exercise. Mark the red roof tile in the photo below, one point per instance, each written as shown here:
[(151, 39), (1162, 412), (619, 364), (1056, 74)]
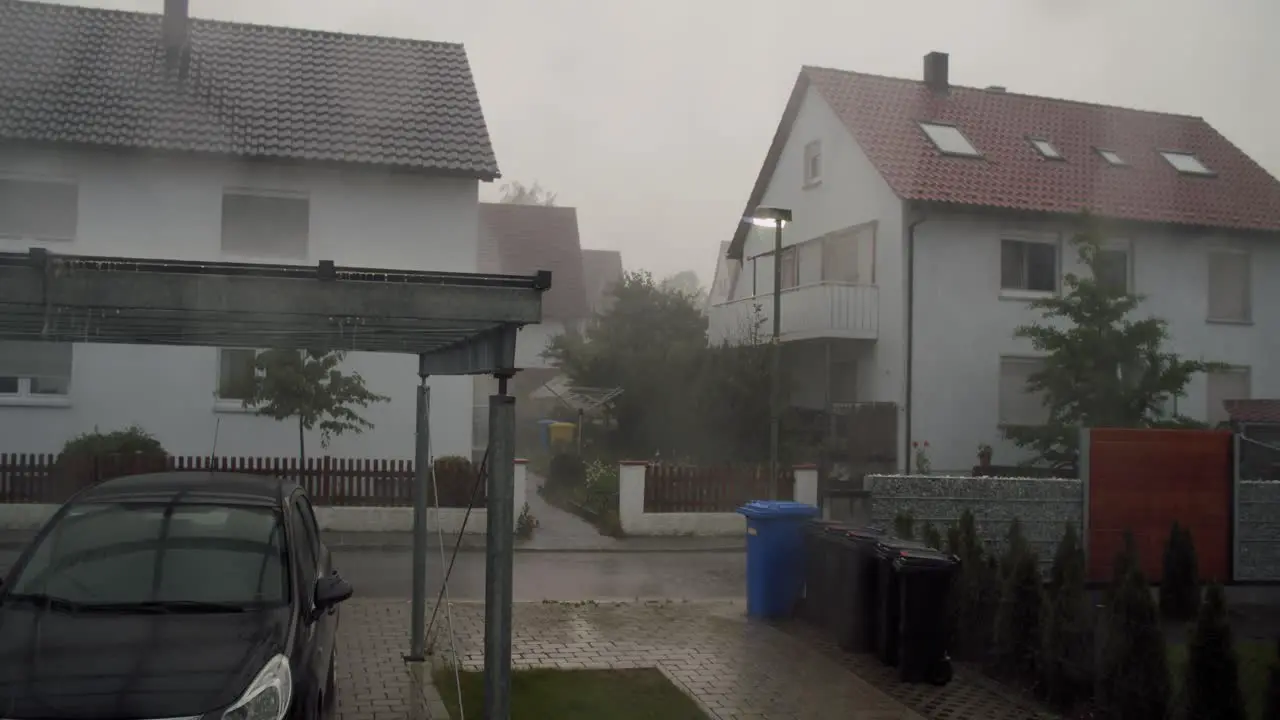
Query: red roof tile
[(1253, 411), (883, 114)]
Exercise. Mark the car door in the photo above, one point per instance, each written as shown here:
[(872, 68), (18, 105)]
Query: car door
[(306, 560), (326, 626)]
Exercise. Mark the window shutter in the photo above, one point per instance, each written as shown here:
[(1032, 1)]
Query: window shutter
[(1018, 406), (1229, 286)]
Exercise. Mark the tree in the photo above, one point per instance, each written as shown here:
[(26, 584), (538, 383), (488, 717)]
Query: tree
[(1133, 679), (1180, 584), (687, 282), (1271, 706), (1102, 368), (309, 387), (516, 193), (1066, 650), (650, 343), (1016, 638), (1212, 682)]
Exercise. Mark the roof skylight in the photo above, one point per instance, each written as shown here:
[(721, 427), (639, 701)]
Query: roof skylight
[(1112, 157), (949, 140), (1046, 148), (1186, 163)]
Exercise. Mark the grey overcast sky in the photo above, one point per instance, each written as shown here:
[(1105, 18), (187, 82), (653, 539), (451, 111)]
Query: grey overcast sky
[(652, 118)]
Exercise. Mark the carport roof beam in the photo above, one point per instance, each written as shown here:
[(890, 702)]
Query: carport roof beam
[(64, 298)]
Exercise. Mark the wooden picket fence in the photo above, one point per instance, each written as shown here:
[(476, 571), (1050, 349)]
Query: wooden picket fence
[(339, 482), (684, 488)]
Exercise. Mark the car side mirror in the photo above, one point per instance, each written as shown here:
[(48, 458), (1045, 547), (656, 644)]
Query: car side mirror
[(330, 591)]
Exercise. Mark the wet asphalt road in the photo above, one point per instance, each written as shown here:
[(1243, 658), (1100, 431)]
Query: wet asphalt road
[(546, 575)]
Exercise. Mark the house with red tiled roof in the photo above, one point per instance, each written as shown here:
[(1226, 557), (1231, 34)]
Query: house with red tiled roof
[(926, 216)]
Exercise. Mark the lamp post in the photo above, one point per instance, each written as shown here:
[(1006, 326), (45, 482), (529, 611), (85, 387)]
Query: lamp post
[(775, 218)]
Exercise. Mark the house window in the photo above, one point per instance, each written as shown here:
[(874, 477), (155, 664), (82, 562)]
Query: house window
[(34, 370), (1112, 157), (1018, 404), (813, 163), (1224, 385), (1112, 268), (1230, 292), (840, 257), (790, 268), (267, 226), (1029, 266), (38, 209), (237, 368), (1046, 149), (1186, 163), (949, 140)]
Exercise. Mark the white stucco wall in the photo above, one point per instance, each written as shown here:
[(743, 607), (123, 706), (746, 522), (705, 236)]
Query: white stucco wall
[(964, 325), (851, 193), (170, 207), (532, 341)]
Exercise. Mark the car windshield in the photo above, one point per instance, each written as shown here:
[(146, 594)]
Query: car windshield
[(160, 553)]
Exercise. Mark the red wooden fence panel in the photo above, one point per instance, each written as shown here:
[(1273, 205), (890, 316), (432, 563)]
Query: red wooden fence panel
[(40, 478), (685, 488), (1142, 481)]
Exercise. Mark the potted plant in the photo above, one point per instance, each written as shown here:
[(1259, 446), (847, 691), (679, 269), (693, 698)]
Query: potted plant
[(984, 455)]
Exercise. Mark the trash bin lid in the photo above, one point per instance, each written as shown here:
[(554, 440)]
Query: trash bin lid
[(865, 535), (910, 559), (777, 509), (890, 546)]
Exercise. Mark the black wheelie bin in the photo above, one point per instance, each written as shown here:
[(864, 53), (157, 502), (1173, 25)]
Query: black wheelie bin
[(856, 583), (916, 637), (819, 571), (888, 606)]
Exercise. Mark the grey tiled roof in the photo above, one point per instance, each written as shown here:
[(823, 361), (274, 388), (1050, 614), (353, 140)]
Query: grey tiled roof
[(100, 77)]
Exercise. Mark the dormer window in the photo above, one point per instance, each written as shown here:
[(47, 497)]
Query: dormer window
[(1046, 149), (1112, 157), (949, 140), (1186, 163)]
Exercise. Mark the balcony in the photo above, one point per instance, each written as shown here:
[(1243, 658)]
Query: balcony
[(820, 310)]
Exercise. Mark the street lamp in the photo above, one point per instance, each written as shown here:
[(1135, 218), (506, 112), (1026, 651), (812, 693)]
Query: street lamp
[(775, 218)]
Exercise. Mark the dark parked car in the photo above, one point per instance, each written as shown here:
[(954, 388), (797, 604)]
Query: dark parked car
[(191, 595)]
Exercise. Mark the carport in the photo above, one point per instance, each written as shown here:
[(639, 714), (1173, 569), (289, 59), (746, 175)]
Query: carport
[(456, 323)]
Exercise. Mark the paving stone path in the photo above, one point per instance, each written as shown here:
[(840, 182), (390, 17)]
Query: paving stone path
[(735, 668)]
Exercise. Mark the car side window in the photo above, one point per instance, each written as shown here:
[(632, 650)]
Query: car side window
[(304, 548)]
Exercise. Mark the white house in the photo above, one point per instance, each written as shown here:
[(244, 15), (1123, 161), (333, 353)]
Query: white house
[(142, 135), (927, 215)]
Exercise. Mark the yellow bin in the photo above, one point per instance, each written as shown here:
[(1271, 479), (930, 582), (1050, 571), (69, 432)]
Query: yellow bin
[(561, 432)]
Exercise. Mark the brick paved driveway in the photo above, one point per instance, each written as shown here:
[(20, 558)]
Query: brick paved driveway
[(735, 668)]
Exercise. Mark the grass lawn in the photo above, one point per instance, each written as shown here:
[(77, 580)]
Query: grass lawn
[(1254, 657), (643, 694)]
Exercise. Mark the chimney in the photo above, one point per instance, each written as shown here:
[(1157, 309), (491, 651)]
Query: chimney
[(174, 27), (935, 71)]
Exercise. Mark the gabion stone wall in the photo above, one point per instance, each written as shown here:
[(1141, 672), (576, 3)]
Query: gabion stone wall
[(1258, 531), (1044, 506)]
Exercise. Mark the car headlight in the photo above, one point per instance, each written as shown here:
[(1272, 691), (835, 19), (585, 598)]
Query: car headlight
[(268, 695)]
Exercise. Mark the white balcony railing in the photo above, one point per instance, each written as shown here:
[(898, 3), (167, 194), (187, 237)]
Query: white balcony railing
[(820, 310)]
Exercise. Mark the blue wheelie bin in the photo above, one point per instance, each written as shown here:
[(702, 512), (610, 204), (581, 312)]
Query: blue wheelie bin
[(775, 556)]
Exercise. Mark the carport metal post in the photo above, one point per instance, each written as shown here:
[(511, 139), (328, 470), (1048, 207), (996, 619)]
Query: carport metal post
[(499, 554), (421, 489)]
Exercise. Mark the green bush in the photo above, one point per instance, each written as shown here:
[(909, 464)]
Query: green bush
[(904, 525), (1180, 585), (1212, 684), (974, 594), (1133, 677), (1272, 706), (565, 472), (954, 540), (1016, 637), (930, 536), (1015, 546), (1066, 628), (132, 440)]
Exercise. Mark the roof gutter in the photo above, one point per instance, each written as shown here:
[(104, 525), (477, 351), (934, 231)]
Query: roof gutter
[(914, 218)]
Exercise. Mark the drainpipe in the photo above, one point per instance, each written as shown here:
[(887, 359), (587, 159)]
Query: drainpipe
[(910, 339)]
